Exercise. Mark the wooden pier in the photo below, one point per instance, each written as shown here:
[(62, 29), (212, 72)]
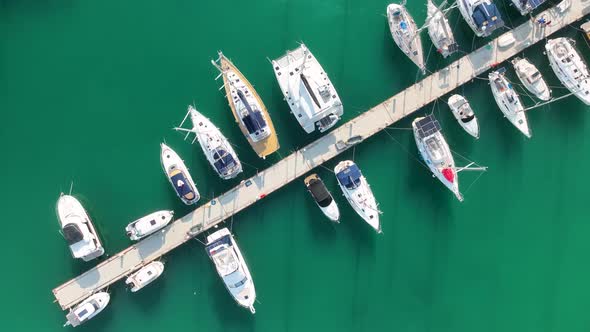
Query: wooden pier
[(330, 145)]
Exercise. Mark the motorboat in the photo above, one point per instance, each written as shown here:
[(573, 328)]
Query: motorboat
[(231, 267), (405, 34), (439, 30), (78, 230), (149, 224), (531, 78), (178, 176), (322, 197), (527, 6), (144, 276), (217, 149), (87, 309), (248, 109), (307, 89), (569, 67), (509, 101), (357, 191), (464, 114), (481, 15), (436, 153)]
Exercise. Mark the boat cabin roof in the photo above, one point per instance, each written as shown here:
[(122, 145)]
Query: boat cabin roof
[(223, 255), (350, 177), (319, 192), (487, 14), (181, 184), (72, 233), (427, 126), (533, 3), (224, 161)]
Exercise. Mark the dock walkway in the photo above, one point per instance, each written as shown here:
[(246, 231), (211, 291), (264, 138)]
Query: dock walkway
[(328, 146)]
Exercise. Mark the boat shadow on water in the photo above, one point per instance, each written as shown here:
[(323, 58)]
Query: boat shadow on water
[(228, 312)]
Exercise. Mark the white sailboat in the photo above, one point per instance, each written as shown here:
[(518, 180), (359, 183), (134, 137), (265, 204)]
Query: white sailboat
[(531, 78), (508, 101), (87, 309), (215, 146), (464, 114), (405, 33), (357, 191), (439, 30), (481, 15), (527, 6), (149, 224), (308, 90), (178, 176), (144, 276), (569, 67), (436, 153), (78, 229), (322, 197), (231, 267)]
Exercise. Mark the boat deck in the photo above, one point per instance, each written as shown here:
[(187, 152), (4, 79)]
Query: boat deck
[(266, 146), (300, 162)]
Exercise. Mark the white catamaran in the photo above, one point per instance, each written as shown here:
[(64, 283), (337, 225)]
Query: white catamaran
[(217, 149), (78, 229), (308, 90), (508, 101), (405, 33), (439, 30), (569, 67)]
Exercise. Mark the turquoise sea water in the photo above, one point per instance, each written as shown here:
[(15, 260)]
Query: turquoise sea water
[(88, 90)]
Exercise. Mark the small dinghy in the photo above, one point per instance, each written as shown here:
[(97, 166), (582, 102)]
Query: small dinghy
[(405, 33), (231, 267), (569, 67), (531, 78), (322, 197), (358, 192), (144, 276), (87, 309), (215, 146), (149, 224), (78, 229), (508, 101), (178, 176), (464, 114), (440, 31)]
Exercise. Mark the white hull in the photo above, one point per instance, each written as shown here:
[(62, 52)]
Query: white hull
[(87, 309), (461, 111), (145, 276), (70, 211), (360, 198), (569, 67), (211, 140), (149, 224), (509, 102), (171, 162), (307, 89), (405, 34), (531, 78), (440, 31), (331, 211)]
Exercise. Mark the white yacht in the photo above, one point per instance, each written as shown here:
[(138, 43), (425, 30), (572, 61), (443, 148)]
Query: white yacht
[(308, 90), (569, 67), (508, 101), (358, 192), (481, 15), (216, 147), (527, 6), (149, 224), (464, 114), (78, 229), (87, 309), (531, 78), (144, 276), (436, 152), (439, 30), (405, 34), (231, 267), (178, 176), (322, 197)]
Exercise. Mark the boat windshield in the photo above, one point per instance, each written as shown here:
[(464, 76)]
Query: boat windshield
[(224, 162), (181, 184), (239, 283), (534, 77), (350, 177), (319, 192), (72, 233)]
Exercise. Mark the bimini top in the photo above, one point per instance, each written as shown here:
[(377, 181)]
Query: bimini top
[(253, 119), (72, 233), (487, 14), (181, 184), (533, 3), (427, 126), (224, 162), (350, 177), (319, 192)]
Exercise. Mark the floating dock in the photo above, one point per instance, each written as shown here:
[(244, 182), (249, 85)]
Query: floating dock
[(328, 146)]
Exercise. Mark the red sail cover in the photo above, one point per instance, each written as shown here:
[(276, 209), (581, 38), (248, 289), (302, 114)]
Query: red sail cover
[(449, 174)]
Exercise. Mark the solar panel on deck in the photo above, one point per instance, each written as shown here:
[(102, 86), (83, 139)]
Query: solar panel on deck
[(427, 126)]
